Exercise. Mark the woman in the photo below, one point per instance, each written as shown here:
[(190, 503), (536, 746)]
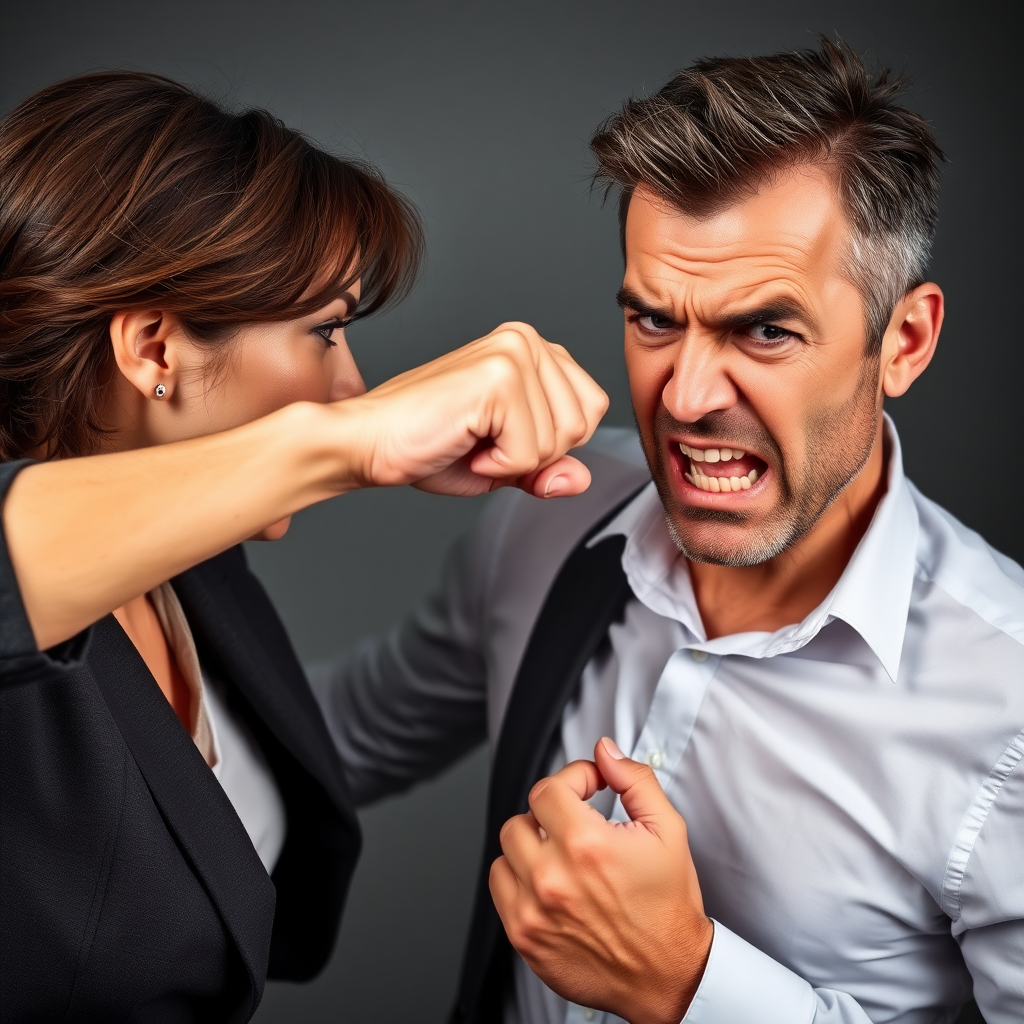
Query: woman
[(175, 283)]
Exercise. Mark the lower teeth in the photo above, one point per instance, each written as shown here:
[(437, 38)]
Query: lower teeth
[(720, 484)]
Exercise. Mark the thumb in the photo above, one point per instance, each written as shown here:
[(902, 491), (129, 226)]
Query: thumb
[(642, 796)]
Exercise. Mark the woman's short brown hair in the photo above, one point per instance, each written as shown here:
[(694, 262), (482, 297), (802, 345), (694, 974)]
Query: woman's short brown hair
[(126, 190)]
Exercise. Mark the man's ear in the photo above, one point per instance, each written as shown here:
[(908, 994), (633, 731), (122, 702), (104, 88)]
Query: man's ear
[(147, 346), (911, 337)]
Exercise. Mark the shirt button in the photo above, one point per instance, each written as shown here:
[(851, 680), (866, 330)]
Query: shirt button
[(699, 655), (656, 760), (589, 1014)]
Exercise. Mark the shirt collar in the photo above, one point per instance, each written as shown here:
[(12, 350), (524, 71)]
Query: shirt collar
[(872, 595)]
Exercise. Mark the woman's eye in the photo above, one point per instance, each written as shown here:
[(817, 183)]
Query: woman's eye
[(326, 330), (654, 323)]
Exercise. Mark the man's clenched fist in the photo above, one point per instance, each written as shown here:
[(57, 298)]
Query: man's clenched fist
[(608, 915)]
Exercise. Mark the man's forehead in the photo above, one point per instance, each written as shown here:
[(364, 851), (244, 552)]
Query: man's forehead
[(793, 227)]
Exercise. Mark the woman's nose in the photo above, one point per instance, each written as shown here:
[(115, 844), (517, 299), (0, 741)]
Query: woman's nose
[(348, 381)]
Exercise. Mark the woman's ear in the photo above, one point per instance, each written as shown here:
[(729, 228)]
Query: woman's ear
[(147, 348), (911, 337)]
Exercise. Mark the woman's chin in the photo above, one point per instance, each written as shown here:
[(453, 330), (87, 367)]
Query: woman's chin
[(274, 532)]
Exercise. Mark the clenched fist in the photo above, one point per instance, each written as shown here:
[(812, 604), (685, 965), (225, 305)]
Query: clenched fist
[(503, 410), (608, 915)]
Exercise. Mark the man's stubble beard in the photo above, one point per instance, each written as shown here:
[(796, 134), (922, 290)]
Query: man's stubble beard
[(841, 439)]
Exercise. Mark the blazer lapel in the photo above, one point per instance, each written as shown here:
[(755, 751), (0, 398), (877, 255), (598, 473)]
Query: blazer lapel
[(233, 619), (196, 809), (589, 594)]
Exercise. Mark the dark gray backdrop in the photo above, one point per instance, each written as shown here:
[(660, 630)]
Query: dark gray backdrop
[(481, 112)]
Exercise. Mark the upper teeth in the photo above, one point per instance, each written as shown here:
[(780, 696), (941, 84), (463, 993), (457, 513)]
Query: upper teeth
[(700, 479), (711, 454)]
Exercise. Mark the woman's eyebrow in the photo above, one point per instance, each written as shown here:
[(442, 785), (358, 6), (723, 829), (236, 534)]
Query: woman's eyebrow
[(350, 301)]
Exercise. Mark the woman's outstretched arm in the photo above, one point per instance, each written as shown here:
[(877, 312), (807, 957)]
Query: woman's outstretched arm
[(88, 534)]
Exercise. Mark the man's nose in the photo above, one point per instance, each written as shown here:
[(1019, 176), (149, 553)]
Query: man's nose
[(700, 383)]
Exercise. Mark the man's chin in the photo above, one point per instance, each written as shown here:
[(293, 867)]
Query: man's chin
[(715, 541)]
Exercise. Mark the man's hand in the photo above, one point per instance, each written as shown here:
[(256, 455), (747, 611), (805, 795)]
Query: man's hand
[(503, 410), (608, 915)]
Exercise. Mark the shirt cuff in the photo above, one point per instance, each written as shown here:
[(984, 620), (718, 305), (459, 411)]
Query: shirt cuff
[(742, 985)]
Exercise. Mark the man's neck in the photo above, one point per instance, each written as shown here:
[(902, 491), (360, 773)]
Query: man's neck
[(787, 588)]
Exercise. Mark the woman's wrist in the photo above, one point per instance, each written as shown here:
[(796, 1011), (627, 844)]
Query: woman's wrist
[(330, 446)]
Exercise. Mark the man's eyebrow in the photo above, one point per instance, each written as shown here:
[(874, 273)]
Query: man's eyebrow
[(630, 300), (782, 308)]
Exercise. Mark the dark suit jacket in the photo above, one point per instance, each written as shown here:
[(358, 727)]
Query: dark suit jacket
[(129, 889)]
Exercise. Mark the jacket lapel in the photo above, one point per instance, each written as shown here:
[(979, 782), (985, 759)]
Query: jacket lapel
[(196, 809), (234, 621), (588, 595)]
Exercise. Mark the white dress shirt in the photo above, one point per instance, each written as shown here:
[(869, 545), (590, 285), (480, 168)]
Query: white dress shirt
[(851, 783)]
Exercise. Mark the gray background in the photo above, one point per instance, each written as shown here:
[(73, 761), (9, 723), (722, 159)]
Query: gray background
[(481, 113)]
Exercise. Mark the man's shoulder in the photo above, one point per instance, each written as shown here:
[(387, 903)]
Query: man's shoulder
[(551, 529), (521, 542), (964, 566)]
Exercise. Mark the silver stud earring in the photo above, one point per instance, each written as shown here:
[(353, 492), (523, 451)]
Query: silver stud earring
[(160, 391)]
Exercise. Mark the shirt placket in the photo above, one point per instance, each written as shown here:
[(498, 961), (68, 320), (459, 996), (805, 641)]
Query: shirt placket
[(673, 714), (661, 744)]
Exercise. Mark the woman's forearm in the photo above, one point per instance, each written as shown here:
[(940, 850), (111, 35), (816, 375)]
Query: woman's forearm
[(86, 535)]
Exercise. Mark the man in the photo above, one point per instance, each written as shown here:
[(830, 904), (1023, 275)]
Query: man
[(817, 673)]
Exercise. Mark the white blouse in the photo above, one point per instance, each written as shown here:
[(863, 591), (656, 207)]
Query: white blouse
[(225, 741)]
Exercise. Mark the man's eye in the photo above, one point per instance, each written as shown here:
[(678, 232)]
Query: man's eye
[(654, 323), (768, 335)]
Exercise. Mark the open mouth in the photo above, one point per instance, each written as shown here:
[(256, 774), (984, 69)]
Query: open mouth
[(721, 470)]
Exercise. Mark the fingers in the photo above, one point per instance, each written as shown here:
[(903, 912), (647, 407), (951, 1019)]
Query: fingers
[(559, 801), (562, 478), (504, 887), (641, 794), (521, 839), (503, 410), (591, 397), (511, 414), (565, 404), (577, 401)]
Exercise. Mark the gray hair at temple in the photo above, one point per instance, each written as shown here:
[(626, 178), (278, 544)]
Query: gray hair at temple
[(722, 128)]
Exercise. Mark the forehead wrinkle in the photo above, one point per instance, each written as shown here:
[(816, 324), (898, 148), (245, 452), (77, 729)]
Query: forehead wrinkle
[(788, 235), (711, 299)]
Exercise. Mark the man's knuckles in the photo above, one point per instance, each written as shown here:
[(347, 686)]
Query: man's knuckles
[(585, 847), (527, 928), (552, 887), (541, 790), (513, 828)]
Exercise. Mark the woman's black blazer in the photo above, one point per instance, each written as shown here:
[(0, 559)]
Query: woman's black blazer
[(129, 889)]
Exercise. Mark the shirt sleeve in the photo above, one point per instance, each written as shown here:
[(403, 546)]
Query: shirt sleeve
[(986, 889), (403, 706), (989, 892), (742, 985), (21, 661)]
